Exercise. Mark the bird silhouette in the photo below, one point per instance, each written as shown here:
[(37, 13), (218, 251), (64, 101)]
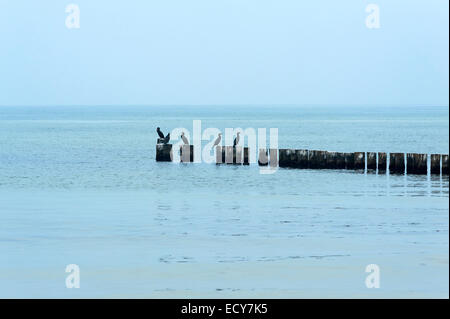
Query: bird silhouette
[(166, 139), (185, 140), (218, 139), (236, 140), (161, 135)]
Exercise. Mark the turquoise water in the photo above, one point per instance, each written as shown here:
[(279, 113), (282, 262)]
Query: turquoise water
[(80, 185)]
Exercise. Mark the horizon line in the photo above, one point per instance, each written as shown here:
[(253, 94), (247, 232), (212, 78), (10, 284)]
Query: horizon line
[(221, 105)]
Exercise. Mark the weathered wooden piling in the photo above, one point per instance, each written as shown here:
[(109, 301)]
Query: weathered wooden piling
[(246, 156), (331, 160), (382, 162), (397, 163), (263, 159), (302, 157), (349, 160), (371, 161), (444, 164), (220, 155), (317, 159), (229, 155), (340, 160), (273, 157), (435, 164), (187, 153), (237, 155), (164, 153), (360, 158), (416, 163), (232, 155), (284, 160)]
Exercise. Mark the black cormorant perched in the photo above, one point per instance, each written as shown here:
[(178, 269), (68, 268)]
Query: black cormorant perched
[(161, 135), (166, 139)]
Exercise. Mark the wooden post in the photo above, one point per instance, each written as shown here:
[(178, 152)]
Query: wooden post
[(219, 153), (444, 164), (435, 164), (302, 159), (187, 153), (397, 163), (416, 164), (273, 157), (263, 158), (331, 160), (317, 159), (237, 155), (164, 153), (246, 156), (284, 157), (371, 161), (229, 154), (349, 160), (360, 158), (340, 160), (382, 162)]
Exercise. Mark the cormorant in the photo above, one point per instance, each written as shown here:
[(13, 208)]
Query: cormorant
[(166, 139), (185, 140), (161, 135), (218, 139), (236, 140)]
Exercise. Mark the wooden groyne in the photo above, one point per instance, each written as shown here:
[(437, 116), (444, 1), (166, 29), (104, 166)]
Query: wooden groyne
[(370, 162), (232, 155)]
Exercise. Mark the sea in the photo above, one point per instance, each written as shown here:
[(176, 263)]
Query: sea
[(79, 185)]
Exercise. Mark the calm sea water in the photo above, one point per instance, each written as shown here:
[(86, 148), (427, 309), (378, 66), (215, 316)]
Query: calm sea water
[(80, 185)]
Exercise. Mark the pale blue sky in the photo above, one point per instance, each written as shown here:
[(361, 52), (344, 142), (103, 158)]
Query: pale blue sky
[(224, 52)]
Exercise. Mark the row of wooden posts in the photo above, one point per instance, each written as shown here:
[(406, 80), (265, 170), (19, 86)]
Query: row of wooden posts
[(398, 163)]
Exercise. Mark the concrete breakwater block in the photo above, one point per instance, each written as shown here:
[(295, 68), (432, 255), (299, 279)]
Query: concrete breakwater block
[(382, 162), (187, 153), (444, 164), (397, 163), (164, 153), (416, 163)]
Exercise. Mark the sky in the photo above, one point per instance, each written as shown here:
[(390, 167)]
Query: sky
[(203, 52)]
